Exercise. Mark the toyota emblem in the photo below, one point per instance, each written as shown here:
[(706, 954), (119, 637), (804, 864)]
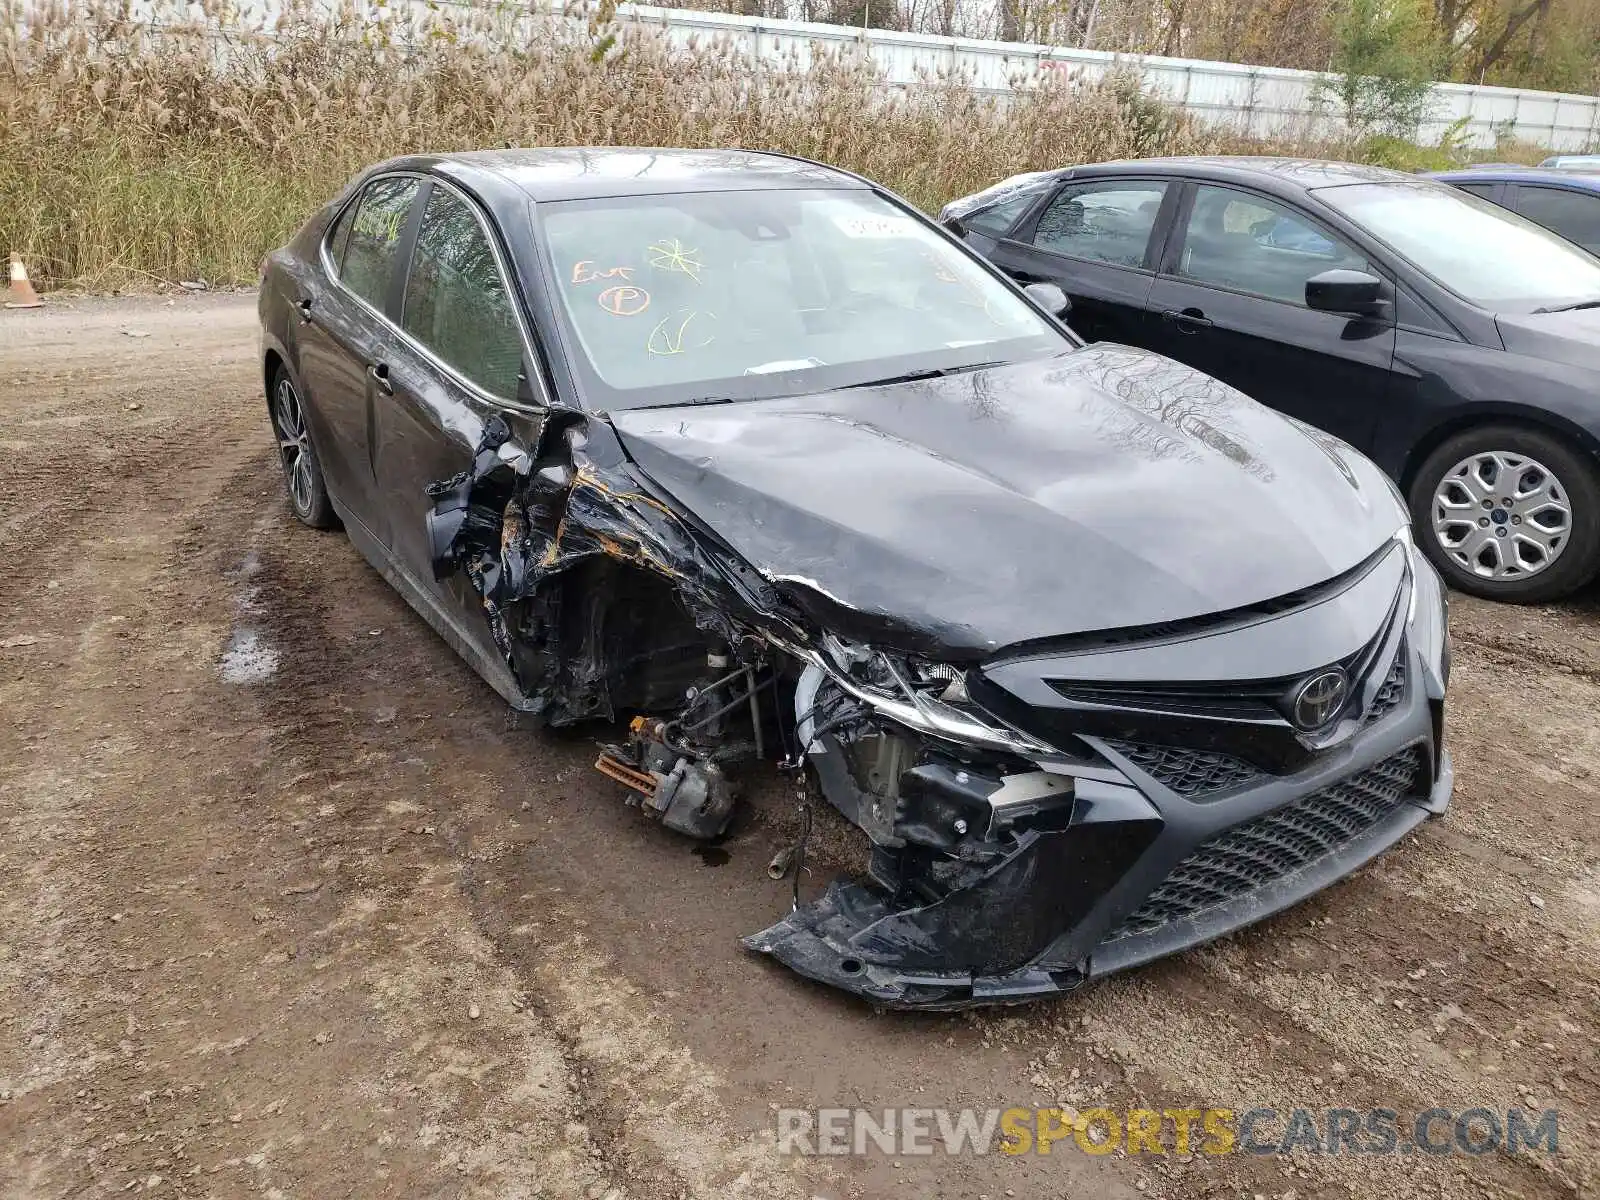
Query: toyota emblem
[(1318, 698)]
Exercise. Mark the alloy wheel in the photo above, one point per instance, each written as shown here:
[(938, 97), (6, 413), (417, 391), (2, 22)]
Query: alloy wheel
[(293, 444), (1502, 515)]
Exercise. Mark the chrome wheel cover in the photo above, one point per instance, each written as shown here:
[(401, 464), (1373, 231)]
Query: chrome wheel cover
[(293, 445), (1501, 515)]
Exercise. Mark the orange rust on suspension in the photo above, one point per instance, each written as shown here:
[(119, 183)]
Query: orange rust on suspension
[(631, 777)]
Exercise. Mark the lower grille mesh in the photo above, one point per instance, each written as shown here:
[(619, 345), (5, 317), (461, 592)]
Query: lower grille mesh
[(1391, 691), (1258, 852), (1191, 773)]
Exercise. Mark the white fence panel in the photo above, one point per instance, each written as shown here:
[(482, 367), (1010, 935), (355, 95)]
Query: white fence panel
[(1257, 100)]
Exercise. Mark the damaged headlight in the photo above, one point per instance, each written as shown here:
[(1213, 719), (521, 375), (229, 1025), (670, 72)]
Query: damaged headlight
[(1429, 619), (930, 698)]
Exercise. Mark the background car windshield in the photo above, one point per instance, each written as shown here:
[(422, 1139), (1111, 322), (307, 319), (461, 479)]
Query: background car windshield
[(742, 295), (1478, 250)]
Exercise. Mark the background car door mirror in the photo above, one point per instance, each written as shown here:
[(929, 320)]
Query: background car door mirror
[(1354, 293), (1050, 298)]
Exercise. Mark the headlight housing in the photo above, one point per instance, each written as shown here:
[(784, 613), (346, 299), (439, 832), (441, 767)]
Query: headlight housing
[(930, 698), (1429, 618)]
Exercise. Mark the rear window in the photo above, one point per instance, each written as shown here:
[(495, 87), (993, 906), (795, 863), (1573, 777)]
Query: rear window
[(1108, 220), (339, 234), (998, 218), (372, 251)]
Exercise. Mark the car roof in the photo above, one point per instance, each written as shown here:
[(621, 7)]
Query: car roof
[(1255, 169), (584, 172), (1588, 181)]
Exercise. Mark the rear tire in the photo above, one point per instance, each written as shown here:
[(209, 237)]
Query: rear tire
[(302, 472), (1509, 513)]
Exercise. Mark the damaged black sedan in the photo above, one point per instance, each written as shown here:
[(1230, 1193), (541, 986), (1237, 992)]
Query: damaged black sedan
[(743, 455)]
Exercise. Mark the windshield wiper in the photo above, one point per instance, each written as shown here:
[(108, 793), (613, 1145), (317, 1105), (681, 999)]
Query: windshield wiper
[(1595, 303), (692, 402), (930, 373)]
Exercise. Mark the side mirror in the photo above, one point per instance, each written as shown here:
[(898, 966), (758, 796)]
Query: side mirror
[(1351, 293), (1051, 298)]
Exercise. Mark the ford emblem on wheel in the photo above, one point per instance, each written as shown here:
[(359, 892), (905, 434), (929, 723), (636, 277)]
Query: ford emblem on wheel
[(1319, 698)]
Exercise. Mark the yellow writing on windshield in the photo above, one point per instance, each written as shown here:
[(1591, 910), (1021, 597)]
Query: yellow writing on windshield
[(670, 254)]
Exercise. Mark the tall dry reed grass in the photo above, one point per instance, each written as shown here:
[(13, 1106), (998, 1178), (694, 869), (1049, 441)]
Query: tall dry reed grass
[(160, 149)]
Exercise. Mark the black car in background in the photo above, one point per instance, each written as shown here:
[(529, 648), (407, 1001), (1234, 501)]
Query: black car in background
[(1565, 200), (1101, 658), (1454, 342)]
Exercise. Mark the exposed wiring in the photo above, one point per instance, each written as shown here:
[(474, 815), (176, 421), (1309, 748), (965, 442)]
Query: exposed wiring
[(800, 850)]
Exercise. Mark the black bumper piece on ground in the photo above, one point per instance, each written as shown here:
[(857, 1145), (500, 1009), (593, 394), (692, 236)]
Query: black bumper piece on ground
[(1137, 874)]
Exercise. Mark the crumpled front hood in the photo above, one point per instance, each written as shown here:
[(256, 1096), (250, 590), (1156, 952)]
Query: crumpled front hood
[(1101, 489)]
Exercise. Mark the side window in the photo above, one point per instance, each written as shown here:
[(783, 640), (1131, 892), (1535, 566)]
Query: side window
[(373, 243), (1109, 221), (998, 218), (456, 302), (1574, 215), (1485, 190), (1247, 243), (339, 234)]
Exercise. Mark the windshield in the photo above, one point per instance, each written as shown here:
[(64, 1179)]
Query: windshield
[(1478, 250), (745, 295)]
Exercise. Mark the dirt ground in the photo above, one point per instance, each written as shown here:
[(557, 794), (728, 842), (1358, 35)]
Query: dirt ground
[(291, 907)]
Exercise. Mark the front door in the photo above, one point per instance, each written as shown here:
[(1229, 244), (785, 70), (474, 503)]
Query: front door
[(1230, 301), (1093, 240), (459, 362)]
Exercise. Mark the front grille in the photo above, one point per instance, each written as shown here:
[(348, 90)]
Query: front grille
[(1249, 856), (1391, 691), (1191, 773)]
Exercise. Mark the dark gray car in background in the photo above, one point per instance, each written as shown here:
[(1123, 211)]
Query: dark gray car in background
[(1451, 340)]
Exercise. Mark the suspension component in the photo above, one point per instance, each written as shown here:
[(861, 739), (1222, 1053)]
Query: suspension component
[(684, 792)]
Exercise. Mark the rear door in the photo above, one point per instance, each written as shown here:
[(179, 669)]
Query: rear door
[(459, 360), (1096, 239), (339, 333), (1230, 300), (1571, 212)]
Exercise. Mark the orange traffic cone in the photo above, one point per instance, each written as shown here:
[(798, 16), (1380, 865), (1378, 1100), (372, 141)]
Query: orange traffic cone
[(22, 293)]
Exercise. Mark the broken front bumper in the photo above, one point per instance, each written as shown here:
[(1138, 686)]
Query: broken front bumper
[(1140, 864)]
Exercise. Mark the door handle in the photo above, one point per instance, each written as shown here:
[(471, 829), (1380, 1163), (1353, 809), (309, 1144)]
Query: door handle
[(379, 374), (1190, 320), (304, 305)]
